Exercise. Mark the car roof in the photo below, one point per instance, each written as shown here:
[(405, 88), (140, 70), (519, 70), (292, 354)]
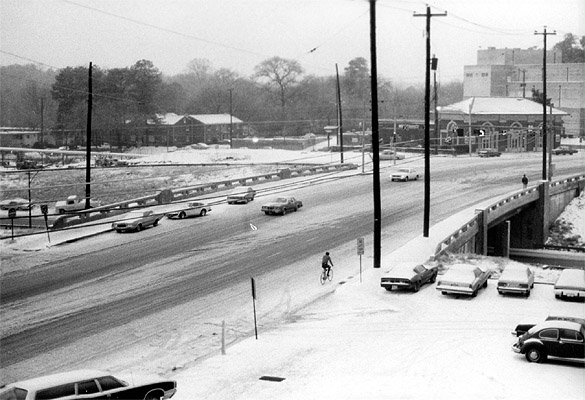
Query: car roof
[(559, 324), (48, 381)]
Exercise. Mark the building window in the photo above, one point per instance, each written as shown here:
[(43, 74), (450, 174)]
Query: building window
[(484, 74), (469, 75)]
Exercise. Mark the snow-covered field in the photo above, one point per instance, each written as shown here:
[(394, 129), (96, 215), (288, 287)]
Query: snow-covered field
[(360, 342)]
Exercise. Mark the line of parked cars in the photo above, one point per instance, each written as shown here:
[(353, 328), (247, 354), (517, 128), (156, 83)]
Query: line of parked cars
[(557, 336)]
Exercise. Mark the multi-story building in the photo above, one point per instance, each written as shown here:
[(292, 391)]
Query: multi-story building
[(517, 72)]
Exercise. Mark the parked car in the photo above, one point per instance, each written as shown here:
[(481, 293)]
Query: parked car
[(136, 221), (564, 339), (88, 384), (193, 209), (464, 279), (488, 153), (19, 204), (521, 329), (282, 205), (516, 279), (73, 204), (405, 174), (27, 164), (390, 155), (409, 276), (562, 150), (242, 194), (571, 283)]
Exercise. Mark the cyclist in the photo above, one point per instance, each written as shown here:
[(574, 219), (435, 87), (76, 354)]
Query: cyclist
[(326, 263)]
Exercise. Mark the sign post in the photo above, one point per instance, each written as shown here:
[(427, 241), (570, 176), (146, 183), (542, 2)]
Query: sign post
[(254, 304), (360, 251), (12, 215), (45, 210)]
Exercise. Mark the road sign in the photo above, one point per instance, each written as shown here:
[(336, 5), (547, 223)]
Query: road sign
[(360, 246), (12, 213), (44, 209)]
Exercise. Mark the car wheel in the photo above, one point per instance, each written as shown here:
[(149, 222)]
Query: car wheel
[(535, 354), (246, 201), (444, 293), (406, 179), (388, 288), (416, 286), (182, 215), (283, 211), (434, 278), (266, 212), (485, 284), (416, 178), (156, 395), (528, 293), (500, 292), (119, 230), (203, 212), (474, 293), (61, 211), (155, 223), (139, 228)]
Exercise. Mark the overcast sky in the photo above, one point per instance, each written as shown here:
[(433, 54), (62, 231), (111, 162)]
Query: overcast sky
[(239, 34)]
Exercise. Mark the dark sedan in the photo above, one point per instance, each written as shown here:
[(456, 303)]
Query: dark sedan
[(409, 276), (563, 339), (89, 384), (559, 151)]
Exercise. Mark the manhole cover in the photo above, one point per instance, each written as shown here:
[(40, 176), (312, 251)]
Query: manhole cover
[(271, 378)]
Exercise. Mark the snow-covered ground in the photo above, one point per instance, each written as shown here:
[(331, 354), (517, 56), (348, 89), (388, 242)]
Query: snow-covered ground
[(360, 342)]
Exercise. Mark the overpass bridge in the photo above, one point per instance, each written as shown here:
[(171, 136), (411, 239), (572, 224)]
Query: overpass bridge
[(519, 221)]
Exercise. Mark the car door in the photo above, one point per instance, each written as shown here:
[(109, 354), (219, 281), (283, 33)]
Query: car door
[(550, 340), (424, 273), (571, 344)]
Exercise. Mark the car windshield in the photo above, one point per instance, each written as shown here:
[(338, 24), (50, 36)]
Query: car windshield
[(403, 170), (280, 200), (135, 214)]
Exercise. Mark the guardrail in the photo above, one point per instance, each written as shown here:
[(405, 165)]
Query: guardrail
[(170, 195)]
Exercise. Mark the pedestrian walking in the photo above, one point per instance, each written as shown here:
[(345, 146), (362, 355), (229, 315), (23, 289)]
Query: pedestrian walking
[(524, 181)]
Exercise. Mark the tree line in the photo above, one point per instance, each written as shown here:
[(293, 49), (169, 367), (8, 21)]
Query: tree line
[(278, 99)]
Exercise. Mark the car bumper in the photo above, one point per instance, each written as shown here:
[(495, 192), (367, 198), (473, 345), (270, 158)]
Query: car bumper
[(516, 348), (515, 290), (396, 285), (455, 290), (575, 293)]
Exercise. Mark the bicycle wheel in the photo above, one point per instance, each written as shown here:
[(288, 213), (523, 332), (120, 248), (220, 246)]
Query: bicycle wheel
[(330, 274), (323, 277)]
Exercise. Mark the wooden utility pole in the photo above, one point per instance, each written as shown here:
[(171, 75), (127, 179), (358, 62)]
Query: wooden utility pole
[(339, 116), (375, 139), (88, 141), (428, 16), (544, 137)]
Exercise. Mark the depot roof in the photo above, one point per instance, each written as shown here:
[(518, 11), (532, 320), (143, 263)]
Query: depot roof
[(497, 106)]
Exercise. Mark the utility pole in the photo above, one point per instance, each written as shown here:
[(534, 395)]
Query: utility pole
[(88, 140), (544, 137), (375, 139), (42, 119), (428, 16), (231, 122), (434, 64), (339, 117)]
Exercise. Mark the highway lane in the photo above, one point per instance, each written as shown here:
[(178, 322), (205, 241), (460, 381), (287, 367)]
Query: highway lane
[(222, 250)]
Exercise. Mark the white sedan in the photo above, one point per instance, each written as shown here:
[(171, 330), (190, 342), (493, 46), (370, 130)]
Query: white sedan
[(193, 209), (390, 155), (405, 174)]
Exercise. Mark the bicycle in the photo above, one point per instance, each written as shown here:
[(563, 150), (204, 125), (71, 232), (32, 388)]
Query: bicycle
[(326, 274)]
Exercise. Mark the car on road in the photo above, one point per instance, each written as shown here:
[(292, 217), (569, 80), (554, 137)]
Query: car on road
[(136, 220), (193, 209), (464, 279), (390, 155), (281, 205), (517, 280), (88, 384), (563, 339), (521, 329), (19, 204), (488, 153), (243, 195), (409, 276), (570, 284), (562, 150), (405, 174)]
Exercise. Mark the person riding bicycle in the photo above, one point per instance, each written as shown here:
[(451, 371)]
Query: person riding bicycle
[(326, 263)]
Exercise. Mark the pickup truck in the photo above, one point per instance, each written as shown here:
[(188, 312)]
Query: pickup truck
[(72, 204), (282, 205)]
